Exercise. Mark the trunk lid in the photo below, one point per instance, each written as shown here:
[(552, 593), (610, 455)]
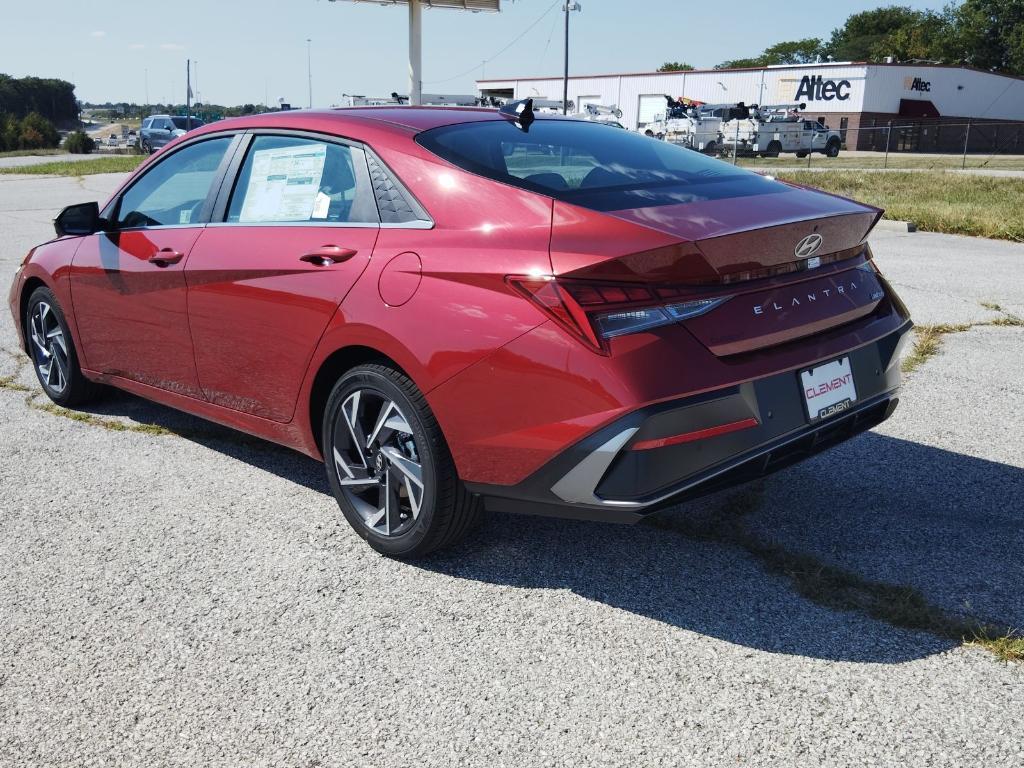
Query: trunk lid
[(747, 247)]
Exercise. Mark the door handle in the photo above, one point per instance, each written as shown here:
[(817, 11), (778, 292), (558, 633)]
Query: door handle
[(328, 254), (165, 257)]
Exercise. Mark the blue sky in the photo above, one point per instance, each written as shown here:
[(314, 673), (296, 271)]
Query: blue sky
[(246, 50)]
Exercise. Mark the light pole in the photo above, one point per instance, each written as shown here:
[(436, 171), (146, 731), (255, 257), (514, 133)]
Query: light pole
[(565, 77), (309, 71)]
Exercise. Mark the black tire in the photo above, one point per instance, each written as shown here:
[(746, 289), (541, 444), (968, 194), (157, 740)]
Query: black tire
[(711, 148), (54, 357), (802, 154), (832, 149), (773, 150), (145, 146), (446, 510)]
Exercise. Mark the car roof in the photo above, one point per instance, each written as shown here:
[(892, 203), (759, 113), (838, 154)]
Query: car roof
[(402, 119)]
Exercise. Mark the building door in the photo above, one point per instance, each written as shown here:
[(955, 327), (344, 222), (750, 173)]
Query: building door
[(651, 105)]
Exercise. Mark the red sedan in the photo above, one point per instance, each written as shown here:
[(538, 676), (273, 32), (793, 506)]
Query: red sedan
[(466, 309)]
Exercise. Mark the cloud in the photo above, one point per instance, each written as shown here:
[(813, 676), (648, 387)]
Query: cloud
[(99, 33), (137, 46), (171, 47)]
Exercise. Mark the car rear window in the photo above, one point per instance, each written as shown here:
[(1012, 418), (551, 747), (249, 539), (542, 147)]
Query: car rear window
[(181, 123), (592, 165)]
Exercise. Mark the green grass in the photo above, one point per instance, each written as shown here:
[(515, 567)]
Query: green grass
[(31, 152), (927, 341), (117, 164), (935, 201)]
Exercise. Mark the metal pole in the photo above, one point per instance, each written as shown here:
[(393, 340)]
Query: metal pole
[(415, 52), (967, 136), (810, 150), (736, 141), (888, 132), (309, 73), (565, 74), (188, 94)]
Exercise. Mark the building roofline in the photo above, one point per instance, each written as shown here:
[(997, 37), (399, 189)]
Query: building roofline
[(824, 65)]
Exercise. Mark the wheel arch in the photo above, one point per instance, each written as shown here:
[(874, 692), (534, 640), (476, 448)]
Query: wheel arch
[(31, 284), (333, 368)]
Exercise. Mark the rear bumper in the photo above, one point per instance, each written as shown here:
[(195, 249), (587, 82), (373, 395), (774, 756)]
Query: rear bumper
[(607, 477)]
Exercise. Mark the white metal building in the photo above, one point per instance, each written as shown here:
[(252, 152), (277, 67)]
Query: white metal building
[(848, 96)]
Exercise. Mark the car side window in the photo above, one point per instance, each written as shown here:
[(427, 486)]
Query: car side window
[(174, 190), (290, 179)]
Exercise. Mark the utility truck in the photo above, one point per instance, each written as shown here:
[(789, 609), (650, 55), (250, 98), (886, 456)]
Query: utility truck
[(690, 124), (598, 113), (769, 130)]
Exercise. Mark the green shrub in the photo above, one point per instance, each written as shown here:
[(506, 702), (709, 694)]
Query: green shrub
[(79, 143), (10, 133), (37, 132)]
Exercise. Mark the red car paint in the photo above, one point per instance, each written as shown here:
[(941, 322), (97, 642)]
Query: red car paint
[(239, 328)]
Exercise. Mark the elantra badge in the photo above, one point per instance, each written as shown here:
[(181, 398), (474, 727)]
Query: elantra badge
[(808, 246)]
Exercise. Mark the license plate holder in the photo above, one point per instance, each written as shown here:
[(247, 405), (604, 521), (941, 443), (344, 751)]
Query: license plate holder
[(828, 389)]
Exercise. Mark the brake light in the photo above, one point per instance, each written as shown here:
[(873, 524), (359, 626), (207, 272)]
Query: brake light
[(595, 312)]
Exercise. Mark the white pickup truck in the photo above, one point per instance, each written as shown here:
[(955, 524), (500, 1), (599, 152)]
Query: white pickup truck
[(771, 131)]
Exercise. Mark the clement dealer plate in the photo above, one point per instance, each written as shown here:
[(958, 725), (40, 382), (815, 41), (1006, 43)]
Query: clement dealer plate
[(828, 389)]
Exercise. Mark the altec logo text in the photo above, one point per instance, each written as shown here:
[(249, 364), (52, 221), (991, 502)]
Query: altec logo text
[(818, 89), (916, 84)]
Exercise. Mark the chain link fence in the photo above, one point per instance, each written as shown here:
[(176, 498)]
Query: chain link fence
[(920, 144)]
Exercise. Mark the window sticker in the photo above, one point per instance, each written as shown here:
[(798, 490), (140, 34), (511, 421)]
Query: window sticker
[(284, 183), (321, 206)]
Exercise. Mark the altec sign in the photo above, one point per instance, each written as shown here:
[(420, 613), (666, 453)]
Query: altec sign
[(817, 88), (916, 84)]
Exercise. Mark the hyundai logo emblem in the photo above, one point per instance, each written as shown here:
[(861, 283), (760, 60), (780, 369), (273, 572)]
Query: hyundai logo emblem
[(808, 246)]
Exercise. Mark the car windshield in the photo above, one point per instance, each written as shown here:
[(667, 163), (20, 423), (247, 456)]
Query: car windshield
[(592, 165), (180, 122)]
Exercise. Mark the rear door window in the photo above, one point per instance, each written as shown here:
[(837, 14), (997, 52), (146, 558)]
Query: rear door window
[(289, 179)]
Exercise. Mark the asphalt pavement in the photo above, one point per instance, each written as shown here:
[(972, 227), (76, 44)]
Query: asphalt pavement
[(175, 593)]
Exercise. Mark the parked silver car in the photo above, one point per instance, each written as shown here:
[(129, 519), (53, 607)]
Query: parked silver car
[(158, 130)]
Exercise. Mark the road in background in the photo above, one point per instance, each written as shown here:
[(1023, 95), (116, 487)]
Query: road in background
[(178, 593)]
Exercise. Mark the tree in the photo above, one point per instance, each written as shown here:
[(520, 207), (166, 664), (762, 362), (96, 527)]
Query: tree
[(788, 52), (53, 99), (79, 143), (10, 132), (928, 39), (37, 132), (803, 51), (988, 34), (858, 37), (740, 63), (675, 66)]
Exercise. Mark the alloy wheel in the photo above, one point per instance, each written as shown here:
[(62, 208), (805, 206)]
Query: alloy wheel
[(49, 347), (377, 462)]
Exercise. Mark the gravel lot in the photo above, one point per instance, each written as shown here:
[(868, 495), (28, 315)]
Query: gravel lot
[(196, 598)]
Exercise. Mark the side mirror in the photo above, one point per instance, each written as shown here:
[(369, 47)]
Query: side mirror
[(81, 219)]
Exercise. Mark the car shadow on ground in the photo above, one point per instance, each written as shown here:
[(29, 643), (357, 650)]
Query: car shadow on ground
[(885, 509)]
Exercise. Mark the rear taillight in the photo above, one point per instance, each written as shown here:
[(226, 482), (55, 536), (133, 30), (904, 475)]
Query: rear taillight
[(595, 312)]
